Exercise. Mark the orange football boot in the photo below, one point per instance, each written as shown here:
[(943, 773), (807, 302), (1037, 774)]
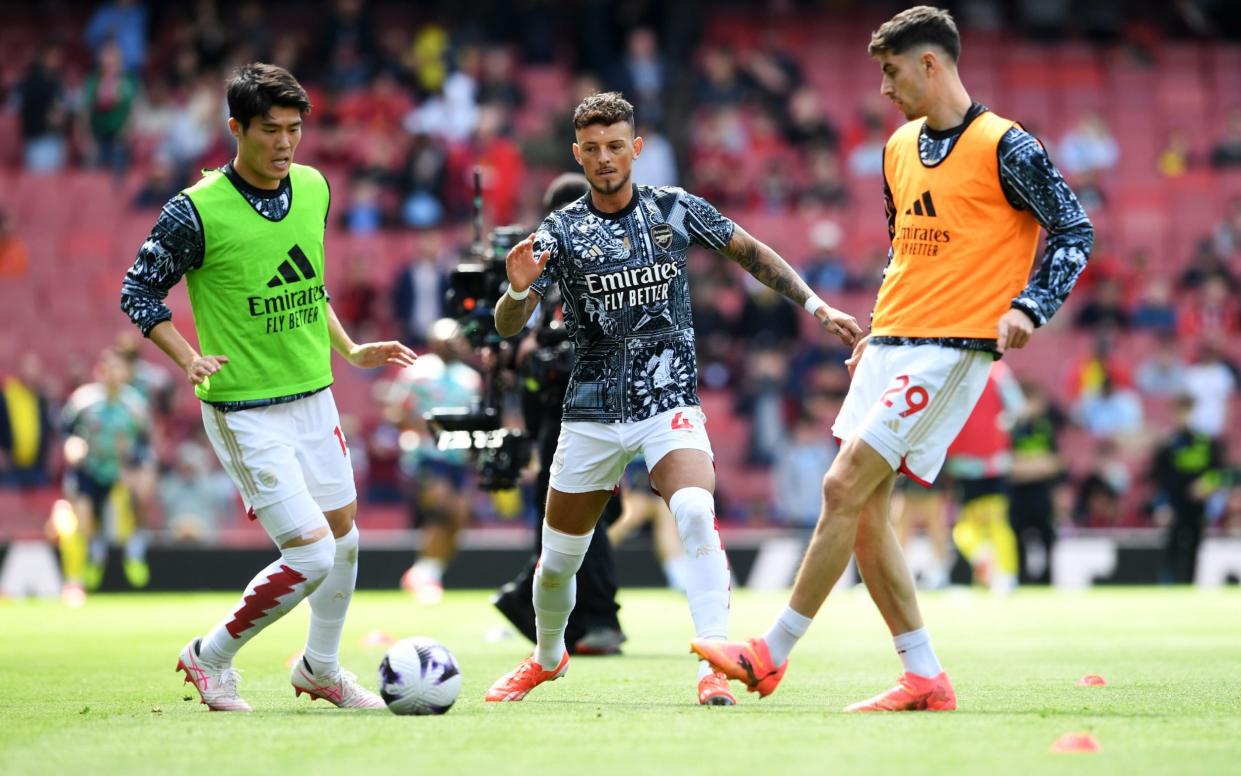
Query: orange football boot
[(516, 684), (913, 693), (749, 662), (713, 691)]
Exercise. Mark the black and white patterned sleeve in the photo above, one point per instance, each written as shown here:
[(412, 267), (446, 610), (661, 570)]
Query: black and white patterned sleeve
[(174, 247), (546, 238), (706, 225), (1031, 182)]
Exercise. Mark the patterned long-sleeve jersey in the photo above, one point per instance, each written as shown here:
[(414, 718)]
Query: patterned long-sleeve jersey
[(625, 292), (1030, 182)]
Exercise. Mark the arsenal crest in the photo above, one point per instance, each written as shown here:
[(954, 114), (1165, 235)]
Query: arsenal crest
[(662, 235)]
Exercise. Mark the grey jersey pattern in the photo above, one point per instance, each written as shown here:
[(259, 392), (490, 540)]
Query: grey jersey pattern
[(624, 283)]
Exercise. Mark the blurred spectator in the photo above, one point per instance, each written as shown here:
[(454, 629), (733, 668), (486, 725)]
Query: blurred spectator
[(1088, 147), (826, 186), (153, 113), (1038, 468), (348, 28), (357, 300), (151, 380), (212, 40), (43, 111), (1162, 374), (767, 321), (108, 95), (1088, 373), (122, 21), (27, 430), (549, 148), (1156, 310), (364, 214), (196, 497), (348, 68), (718, 155), (1174, 159), (799, 463), (641, 74), (497, 84), (657, 164), (1228, 233), (197, 122), (1213, 310), (1204, 263), (1104, 308), (500, 162), (761, 398), (826, 270), (160, 184), (251, 31), (13, 254), (1089, 192), (719, 82), (1227, 152), (866, 158), (1044, 20), (419, 288), (421, 180), (1111, 412), (1212, 383), (452, 111), (1101, 491), (772, 70), (806, 125), (1181, 472), (428, 59)]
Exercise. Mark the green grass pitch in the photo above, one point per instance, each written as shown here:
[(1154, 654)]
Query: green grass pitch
[(94, 691)]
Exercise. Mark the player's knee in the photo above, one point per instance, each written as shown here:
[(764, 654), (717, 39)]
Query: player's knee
[(841, 501), (694, 512), (561, 557), (314, 561)]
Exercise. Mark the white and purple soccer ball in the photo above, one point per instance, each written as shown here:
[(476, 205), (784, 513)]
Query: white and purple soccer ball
[(419, 676)]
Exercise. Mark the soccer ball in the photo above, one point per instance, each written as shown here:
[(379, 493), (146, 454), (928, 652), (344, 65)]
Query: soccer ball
[(419, 676)]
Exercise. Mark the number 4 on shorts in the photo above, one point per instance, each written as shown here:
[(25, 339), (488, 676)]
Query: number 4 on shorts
[(679, 421)]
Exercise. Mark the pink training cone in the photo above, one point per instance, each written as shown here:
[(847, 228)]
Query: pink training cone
[(1075, 742), (377, 638), (1091, 680)]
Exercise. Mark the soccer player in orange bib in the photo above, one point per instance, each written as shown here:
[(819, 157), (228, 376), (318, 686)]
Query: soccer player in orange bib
[(966, 192)]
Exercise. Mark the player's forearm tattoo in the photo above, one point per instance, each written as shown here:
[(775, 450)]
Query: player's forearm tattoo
[(511, 315), (766, 266)]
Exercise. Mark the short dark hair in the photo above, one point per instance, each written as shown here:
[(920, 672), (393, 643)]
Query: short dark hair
[(568, 187), (605, 108), (254, 88), (920, 25)]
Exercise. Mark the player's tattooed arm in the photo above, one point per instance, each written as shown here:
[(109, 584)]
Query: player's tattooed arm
[(771, 270), (767, 266)]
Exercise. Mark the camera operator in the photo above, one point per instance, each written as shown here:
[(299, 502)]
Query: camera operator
[(545, 360)]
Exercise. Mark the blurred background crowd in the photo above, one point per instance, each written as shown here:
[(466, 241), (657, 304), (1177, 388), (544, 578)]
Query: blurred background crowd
[(1120, 415)]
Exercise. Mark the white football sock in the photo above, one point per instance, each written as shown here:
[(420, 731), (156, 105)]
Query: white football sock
[(785, 632), (329, 605), (707, 578), (555, 591), (429, 570), (269, 596), (916, 653)]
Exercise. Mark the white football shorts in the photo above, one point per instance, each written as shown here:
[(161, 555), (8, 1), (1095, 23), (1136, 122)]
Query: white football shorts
[(593, 456), (909, 402), (274, 453)]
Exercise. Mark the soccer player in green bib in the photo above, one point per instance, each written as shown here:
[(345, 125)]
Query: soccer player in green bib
[(248, 238)]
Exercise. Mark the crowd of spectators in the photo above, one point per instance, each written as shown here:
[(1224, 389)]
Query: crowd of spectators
[(403, 114)]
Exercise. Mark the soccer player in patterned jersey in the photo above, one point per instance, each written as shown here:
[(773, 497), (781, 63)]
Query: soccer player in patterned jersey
[(966, 192), (248, 238), (618, 255)]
